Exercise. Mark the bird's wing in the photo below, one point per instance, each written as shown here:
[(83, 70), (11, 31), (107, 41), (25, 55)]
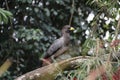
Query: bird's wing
[(57, 44)]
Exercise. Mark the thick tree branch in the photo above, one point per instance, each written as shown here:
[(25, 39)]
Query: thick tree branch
[(49, 72)]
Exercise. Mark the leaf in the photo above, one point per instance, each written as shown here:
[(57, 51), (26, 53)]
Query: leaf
[(47, 12), (29, 1), (5, 15), (55, 13), (9, 14), (36, 10)]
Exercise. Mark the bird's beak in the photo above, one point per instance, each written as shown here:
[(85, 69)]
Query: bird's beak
[(72, 29)]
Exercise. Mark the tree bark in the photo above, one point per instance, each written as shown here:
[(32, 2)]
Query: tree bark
[(49, 72)]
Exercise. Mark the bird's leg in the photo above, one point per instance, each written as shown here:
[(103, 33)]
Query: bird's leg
[(58, 53), (46, 61)]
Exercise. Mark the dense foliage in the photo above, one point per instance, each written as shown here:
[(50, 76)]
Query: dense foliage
[(28, 27)]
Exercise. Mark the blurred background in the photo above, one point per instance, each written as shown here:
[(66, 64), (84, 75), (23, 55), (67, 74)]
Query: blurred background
[(28, 27)]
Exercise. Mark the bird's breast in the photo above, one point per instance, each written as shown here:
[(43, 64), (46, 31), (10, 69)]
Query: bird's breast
[(66, 40)]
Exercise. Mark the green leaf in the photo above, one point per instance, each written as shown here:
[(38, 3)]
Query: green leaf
[(5, 15), (36, 10), (47, 12), (29, 1)]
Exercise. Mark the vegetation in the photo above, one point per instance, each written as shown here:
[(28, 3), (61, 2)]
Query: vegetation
[(28, 27)]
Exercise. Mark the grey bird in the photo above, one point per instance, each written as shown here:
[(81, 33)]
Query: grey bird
[(63, 41)]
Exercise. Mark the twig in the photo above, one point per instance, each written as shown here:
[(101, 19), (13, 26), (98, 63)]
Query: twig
[(117, 29), (96, 72), (73, 5), (5, 66), (6, 4)]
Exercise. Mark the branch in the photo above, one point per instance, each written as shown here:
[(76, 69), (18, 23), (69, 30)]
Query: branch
[(95, 73), (4, 67), (50, 72), (73, 6), (117, 29)]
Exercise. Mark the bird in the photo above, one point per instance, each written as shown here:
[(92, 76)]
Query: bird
[(58, 47), (61, 42)]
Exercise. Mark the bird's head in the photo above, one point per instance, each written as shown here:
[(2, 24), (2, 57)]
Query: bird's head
[(67, 29)]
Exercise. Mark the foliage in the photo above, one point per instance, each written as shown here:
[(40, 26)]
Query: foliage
[(36, 23), (5, 16)]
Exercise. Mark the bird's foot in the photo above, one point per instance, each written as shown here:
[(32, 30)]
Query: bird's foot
[(46, 61)]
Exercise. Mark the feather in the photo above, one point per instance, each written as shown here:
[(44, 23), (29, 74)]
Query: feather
[(59, 43)]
